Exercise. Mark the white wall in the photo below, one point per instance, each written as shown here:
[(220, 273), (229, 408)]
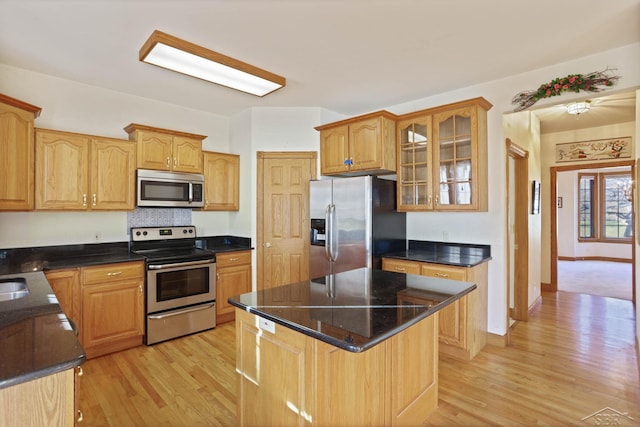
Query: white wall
[(76, 107)]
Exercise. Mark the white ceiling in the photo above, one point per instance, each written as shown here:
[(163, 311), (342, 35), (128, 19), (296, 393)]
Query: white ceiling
[(349, 56)]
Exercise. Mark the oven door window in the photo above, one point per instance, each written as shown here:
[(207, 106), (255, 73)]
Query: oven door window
[(173, 285), (164, 191)]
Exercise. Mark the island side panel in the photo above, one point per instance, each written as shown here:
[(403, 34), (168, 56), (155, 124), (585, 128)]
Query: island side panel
[(288, 378), (275, 375), (413, 391)]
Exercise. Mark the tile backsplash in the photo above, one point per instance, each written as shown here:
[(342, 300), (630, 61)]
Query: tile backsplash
[(158, 217)]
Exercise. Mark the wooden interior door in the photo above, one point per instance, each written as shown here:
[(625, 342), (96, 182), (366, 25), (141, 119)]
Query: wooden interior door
[(283, 217)]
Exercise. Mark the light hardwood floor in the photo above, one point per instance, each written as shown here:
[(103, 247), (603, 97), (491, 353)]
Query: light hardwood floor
[(575, 357)]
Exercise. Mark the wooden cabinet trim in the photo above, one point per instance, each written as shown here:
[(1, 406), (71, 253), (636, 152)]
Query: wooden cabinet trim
[(5, 99), (135, 126), (376, 114)]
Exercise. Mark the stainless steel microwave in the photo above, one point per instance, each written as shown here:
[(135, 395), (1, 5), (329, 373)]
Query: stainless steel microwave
[(170, 189)]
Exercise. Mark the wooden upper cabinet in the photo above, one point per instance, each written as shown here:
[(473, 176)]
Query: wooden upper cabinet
[(16, 154), (164, 149), (83, 172), (359, 146), (442, 158), (113, 169), (154, 151), (334, 149), (62, 174), (222, 181)]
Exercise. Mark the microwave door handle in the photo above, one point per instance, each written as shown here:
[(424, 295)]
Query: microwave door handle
[(190, 192)]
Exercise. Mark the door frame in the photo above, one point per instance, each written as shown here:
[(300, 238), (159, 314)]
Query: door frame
[(553, 197), (261, 156), (520, 309)]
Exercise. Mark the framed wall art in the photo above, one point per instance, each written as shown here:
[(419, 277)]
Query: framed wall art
[(598, 149), (535, 197)]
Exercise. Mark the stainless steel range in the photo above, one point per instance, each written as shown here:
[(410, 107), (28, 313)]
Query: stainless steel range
[(181, 282)]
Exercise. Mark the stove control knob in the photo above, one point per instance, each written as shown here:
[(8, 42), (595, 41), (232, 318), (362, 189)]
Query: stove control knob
[(144, 233), (137, 233), (184, 231), (190, 231)]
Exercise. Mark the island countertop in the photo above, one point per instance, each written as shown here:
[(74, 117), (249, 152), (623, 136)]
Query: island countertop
[(354, 310)]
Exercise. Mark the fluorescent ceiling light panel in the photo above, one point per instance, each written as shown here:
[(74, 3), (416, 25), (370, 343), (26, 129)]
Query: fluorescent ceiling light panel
[(178, 55)]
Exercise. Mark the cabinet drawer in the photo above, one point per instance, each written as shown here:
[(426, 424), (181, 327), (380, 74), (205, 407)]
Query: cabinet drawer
[(451, 273), (400, 266), (233, 258), (110, 272)]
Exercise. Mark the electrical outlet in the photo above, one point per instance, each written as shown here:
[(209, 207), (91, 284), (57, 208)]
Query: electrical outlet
[(97, 236), (267, 325)]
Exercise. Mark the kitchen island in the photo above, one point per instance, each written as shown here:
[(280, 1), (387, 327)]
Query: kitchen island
[(354, 348)]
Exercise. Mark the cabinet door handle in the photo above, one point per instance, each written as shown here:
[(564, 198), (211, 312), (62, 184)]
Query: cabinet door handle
[(175, 161), (94, 199), (168, 161), (79, 371), (140, 291), (84, 199), (437, 201), (114, 273), (429, 201), (442, 275), (80, 416)]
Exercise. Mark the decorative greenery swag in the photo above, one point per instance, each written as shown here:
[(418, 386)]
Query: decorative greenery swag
[(592, 82)]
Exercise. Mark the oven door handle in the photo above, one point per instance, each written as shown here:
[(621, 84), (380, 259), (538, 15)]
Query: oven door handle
[(180, 264), (176, 313)]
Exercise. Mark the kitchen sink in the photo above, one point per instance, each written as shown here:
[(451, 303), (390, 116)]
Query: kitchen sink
[(13, 289)]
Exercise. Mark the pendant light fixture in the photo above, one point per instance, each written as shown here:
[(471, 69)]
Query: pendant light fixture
[(184, 57)]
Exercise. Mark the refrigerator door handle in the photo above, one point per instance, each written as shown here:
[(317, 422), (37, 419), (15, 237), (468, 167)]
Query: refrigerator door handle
[(330, 246), (335, 244)]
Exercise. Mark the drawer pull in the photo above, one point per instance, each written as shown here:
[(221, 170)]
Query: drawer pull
[(400, 269), (233, 259), (114, 273), (442, 275)]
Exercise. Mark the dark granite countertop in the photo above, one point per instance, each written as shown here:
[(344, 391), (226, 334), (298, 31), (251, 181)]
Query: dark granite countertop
[(354, 310), (45, 258), (36, 338), (454, 254)]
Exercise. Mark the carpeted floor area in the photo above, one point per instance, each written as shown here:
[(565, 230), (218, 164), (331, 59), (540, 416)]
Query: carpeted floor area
[(602, 278)]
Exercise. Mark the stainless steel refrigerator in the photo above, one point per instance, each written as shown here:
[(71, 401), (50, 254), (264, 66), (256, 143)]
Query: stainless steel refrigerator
[(353, 223)]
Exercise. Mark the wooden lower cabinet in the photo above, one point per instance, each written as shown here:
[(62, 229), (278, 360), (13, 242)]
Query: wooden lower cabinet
[(106, 302), (288, 378), (46, 401), (233, 277), (462, 330), (66, 286), (112, 307)]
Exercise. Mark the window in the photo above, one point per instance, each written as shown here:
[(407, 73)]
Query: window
[(604, 201)]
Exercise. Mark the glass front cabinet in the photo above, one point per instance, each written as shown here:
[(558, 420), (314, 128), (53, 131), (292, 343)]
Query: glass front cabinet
[(442, 158)]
